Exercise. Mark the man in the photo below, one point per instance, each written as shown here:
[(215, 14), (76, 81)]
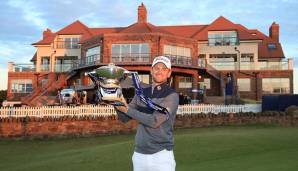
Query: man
[(154, 140)]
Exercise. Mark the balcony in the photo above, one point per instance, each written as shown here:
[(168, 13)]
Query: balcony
[(282, 65), (45, 68), (227, 41), (131, 58), (90, 60), (179, 60), (65, 67), (12, 67)]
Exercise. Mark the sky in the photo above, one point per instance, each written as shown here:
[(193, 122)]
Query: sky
[(23, 21)]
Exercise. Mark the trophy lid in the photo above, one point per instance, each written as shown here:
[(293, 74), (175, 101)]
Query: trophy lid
[(110, 71)]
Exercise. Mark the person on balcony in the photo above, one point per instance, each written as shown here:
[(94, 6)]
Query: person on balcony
[(154, 140)]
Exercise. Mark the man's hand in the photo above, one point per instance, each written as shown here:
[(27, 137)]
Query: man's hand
[(124, 107)]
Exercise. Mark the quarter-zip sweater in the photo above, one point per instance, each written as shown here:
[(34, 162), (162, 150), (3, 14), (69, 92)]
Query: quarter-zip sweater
[(155, 130)]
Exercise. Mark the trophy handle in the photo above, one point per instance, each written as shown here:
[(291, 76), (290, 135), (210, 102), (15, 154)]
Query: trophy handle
[(93, 76)]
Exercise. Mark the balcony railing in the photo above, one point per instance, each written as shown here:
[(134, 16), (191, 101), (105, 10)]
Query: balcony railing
[(132, 57), (45, 68), (90, 60), (64, 67), (66, 45), (23, 68), (283, 65), (179, 60), (226, 41)]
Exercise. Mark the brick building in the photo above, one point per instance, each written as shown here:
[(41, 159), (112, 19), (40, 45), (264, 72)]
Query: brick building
[(202, 57)]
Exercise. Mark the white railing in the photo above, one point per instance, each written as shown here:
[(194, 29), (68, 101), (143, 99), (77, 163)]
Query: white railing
[(96, 110), (223, 65), (216, 109)]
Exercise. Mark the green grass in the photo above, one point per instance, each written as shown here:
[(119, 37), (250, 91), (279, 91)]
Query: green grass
[(245, 148)]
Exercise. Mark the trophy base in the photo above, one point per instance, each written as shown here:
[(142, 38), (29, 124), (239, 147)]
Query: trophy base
[(115, 101)]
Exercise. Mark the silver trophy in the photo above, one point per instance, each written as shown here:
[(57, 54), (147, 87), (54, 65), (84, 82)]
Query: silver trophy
[(107, 80)]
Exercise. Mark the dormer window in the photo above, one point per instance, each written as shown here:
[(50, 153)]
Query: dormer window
[(271, 46), (222, 38)]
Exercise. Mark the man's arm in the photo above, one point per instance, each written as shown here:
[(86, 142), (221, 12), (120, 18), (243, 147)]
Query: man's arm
[(170, 103), (122, 113), (122, 116)]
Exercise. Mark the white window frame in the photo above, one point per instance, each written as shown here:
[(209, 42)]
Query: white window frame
[(206, 82), (17, 85), (244, 84), (271, 82), (185, 82)]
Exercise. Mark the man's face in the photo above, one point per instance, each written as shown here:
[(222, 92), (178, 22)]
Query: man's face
[(160, 73)]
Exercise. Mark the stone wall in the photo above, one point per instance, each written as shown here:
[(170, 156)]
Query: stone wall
[(73, 126)]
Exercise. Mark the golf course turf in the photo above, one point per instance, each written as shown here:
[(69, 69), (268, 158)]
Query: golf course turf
[(228, 148)]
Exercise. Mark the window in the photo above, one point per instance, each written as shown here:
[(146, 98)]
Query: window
[(243, 84), (68, 43), (202, 60), (206, 83), (130, 52), (178, 55), (45, 63), (222, 38), (223, 61), (276, 85), (65, 63), (21, 86), (72, 43), (223, 58), (185, 82), (93, 55), (247, 57), (271, 46)]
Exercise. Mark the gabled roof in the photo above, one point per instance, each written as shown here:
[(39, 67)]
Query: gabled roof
[(46, 41), (143, 27), (34, 57), (264, 51), (75, 28), (223, 24)]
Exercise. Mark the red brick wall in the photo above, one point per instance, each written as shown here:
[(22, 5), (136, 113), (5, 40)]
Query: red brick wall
[(256, 86), (17, 76), (50, 127)]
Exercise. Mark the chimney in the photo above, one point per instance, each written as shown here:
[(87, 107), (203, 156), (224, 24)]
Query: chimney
[(47, 33), (142, 14), (274, 31)]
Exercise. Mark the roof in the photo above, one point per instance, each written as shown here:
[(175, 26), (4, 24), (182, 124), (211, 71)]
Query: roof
[(183, 30), (98, 31), (47, 40), (34, 57), (143, 27), (223, 24), (196, 32), (75, 28), (263, 50)]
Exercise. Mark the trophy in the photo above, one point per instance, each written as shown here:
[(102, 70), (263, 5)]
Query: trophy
[(107, 81)]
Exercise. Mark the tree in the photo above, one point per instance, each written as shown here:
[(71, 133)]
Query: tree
[(3, 96)]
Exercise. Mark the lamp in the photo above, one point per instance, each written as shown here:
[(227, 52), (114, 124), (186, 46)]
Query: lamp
[(238, 58)]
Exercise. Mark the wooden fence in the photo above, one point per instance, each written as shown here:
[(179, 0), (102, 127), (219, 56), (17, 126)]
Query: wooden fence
[(97, 110)]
